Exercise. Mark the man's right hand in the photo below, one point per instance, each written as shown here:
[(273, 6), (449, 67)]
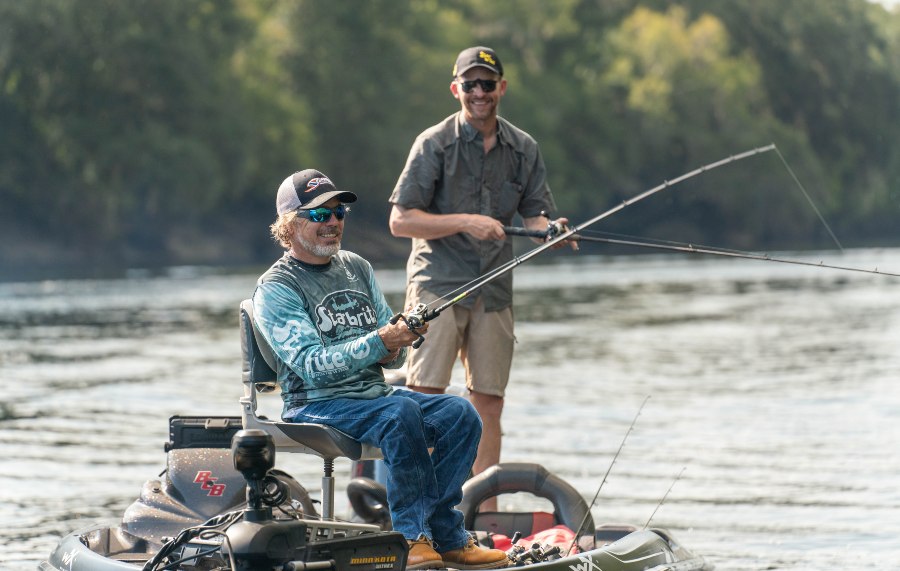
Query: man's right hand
[(397, 335), (483, 227)]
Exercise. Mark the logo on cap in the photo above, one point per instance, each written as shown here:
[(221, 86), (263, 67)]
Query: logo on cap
[(486, 57), (315, 182)]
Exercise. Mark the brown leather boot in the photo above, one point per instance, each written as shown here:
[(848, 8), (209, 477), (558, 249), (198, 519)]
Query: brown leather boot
[(422, 555), (474, 556)]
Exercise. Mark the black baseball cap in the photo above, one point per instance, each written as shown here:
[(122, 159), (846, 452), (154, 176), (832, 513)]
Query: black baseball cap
[(475, 57), (308, 189)]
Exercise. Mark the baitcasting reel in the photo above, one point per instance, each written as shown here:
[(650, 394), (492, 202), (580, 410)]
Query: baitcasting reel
[(415, 319)]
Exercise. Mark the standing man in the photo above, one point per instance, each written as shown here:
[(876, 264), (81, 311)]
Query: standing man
[(328, 324), (466, 178)]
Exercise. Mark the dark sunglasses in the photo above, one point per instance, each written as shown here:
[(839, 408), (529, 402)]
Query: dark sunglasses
[(323, 214), (487, 85)]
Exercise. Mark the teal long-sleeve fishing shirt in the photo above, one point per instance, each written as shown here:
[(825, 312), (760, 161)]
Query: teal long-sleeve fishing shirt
[(321, 322)]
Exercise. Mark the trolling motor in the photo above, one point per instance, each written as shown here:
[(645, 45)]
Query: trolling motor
[(254, 455), (255, 540), (260, 541)]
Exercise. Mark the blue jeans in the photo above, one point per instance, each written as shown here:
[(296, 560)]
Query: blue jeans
[(423, 489)]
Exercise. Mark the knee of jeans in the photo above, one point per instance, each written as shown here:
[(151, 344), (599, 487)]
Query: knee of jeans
[(466, 413), (466, 407), (408, 411)]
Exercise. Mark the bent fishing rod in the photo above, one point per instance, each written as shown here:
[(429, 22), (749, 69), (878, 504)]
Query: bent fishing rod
[(422, 312)]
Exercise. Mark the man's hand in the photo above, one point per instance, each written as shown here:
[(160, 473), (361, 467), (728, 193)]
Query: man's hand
[(563, 224), (542, 223), (397, 335), (483, 227)]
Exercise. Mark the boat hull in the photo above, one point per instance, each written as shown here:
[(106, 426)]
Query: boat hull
[(72, 553), (638, 551)]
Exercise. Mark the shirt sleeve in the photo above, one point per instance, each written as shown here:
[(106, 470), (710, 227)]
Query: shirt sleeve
[(536, 197), (384, 314), (418, 181), (285, 324)]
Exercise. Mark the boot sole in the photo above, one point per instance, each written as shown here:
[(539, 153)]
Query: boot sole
[(438, 564), (495, 565)]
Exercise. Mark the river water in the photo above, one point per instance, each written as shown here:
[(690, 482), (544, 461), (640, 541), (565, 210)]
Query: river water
[(772, 387)]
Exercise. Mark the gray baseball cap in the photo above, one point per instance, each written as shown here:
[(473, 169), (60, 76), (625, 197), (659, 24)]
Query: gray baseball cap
[(308, 189)]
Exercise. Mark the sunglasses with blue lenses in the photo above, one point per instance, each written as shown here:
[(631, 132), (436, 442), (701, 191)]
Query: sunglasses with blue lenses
[(322, 214), (487, 85)]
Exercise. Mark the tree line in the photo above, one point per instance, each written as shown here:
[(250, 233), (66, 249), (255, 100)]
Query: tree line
[(154, 132)]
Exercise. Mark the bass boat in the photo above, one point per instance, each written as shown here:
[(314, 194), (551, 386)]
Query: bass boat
[(221, 505)]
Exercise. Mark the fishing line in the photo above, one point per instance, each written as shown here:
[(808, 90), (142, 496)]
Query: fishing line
[(624, 240), (605, 476), (710, 250), (666, 495), (811, 203)]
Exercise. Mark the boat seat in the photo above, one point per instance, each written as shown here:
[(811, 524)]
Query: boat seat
[(258, 375)]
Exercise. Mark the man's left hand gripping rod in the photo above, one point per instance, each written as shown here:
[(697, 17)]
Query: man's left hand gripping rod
[(415, 319)]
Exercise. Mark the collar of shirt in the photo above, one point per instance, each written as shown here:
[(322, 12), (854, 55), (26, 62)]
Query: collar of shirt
[(307, 266), (468, 133)]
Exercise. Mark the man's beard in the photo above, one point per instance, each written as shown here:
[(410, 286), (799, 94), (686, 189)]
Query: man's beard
[(320, 250)]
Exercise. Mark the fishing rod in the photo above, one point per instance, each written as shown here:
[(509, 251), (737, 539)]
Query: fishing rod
[(422, 312), (697, 249), (666, 495), (605, 476)]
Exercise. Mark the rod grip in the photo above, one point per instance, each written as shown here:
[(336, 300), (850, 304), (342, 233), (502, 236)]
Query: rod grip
[(515, 231)]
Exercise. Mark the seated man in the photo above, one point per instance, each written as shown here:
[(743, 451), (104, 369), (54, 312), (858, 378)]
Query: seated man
[(328, 324)]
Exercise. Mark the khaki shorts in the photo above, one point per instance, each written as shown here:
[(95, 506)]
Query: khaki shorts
[(482, 340)]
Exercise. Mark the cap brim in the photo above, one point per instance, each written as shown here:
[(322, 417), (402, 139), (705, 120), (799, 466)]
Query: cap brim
[(344, 196), (474, 65)]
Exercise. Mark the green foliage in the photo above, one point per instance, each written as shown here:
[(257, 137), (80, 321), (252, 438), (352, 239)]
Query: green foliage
[(139, 120), (686, 99), (827, 73), (156, 131)]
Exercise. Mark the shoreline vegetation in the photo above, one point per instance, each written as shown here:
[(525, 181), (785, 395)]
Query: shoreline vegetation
[(154, 134)]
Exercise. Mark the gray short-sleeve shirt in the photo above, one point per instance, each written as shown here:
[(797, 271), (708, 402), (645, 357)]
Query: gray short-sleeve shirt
[(448, 172)]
